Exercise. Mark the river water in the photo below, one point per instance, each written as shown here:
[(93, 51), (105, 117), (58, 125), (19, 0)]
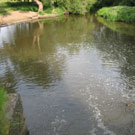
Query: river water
[(75, 75)]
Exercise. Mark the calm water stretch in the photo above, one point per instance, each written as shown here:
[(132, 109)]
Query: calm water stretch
[(75, 75)]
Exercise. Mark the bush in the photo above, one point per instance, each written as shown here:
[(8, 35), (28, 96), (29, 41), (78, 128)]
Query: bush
[(72, 6), (118, 13), (60, 11), (97, 4), (23, 6), (47, 3), (77, 7)]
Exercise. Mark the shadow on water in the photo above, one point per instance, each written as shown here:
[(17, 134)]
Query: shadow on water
[(61, 68)]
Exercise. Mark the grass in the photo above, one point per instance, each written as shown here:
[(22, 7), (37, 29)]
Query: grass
[(53, 10), (4, 10), (60, 11), (4, 126), (7, 7), (118, 13), (3, 97), (23, 6)]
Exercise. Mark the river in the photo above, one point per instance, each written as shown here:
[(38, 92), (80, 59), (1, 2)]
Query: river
[(75, 75)]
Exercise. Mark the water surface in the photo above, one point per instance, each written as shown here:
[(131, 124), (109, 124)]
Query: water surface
[(75, 75)]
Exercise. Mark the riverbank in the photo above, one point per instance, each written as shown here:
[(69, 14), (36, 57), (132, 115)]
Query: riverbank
[(15, 115), (17, 12), (3, 124), (23, 16), (12, 121), (124, 14)]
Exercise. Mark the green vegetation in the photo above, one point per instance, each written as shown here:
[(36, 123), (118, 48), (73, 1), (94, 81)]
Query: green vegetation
[(122, 10), (98, 4), (23, 6), (3, 97), (118, 13), (3, 122), (53, 10), (71, 6), (84, 6), (7, 7), (76, 7)]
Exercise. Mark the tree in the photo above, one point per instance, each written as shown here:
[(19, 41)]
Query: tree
[(40, 5)]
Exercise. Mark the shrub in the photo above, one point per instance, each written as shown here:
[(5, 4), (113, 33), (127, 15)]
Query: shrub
[(77, 7), (118, 13), (97, 4), (72, 6), (5, 7)]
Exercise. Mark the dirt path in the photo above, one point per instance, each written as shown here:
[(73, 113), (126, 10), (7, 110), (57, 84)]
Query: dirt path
[(20, 16)]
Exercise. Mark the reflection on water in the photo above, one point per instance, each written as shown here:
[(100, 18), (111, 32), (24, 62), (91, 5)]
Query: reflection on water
[(37, 34), (75, 76), (123, 28)]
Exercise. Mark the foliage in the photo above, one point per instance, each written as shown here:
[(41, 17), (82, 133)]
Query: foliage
[(94, 5), (60, 11), (53, 10), (83, 6), (72, 6), (3, 8), (78, 7), (118, 13), (23, 6), (3, 12), (49, 10), (6, 7)]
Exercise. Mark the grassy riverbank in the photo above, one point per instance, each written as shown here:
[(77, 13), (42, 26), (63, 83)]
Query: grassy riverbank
[(3, 97), (121, 10), (7, 7), (3, 123), (12, 119), (118, 13), (17, 12)]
